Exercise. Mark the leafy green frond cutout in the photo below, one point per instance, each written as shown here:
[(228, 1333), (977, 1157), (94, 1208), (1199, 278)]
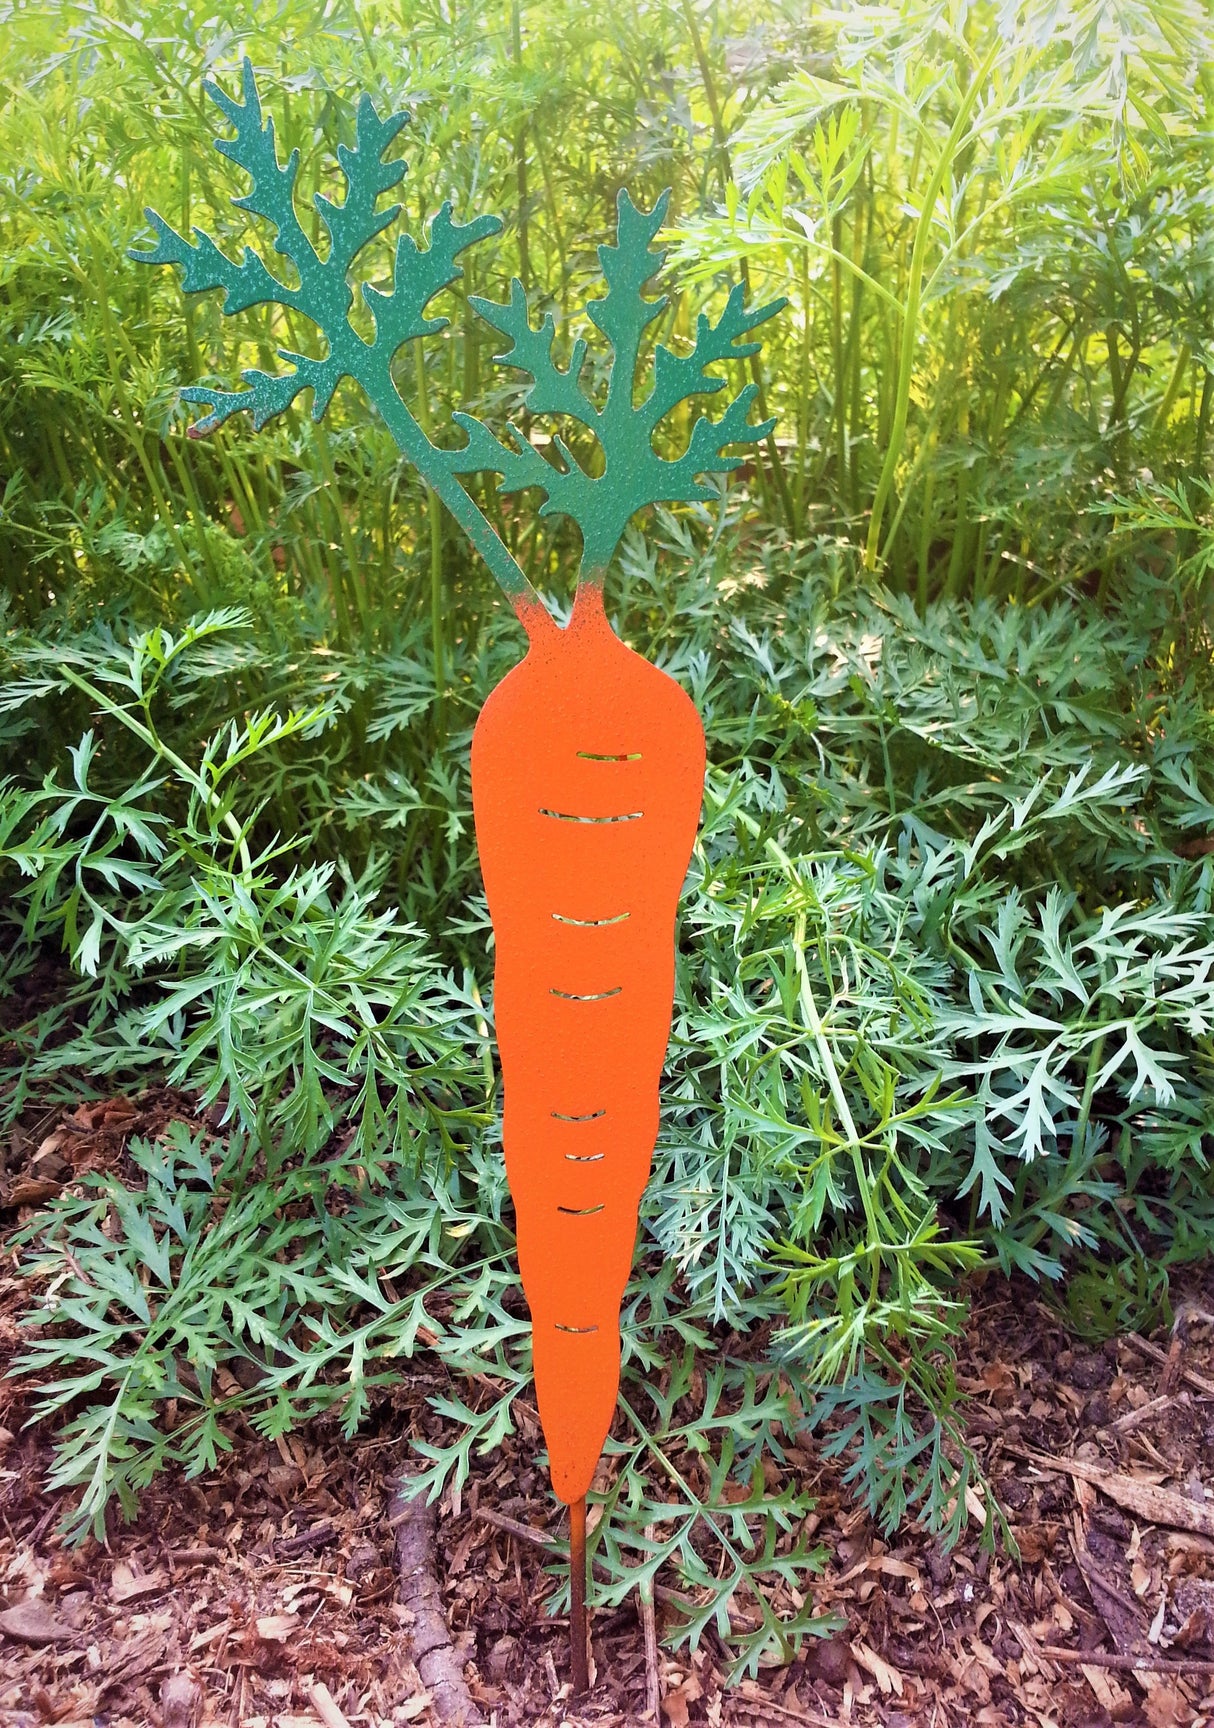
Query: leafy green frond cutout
[(419, 276), (633, 473), (323, 294), (632, 476)]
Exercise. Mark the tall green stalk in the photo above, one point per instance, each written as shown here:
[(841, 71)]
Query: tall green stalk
[(435, 517), (911, 304)]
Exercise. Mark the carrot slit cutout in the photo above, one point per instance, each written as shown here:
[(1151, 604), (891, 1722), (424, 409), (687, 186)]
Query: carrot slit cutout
[(587, 761)]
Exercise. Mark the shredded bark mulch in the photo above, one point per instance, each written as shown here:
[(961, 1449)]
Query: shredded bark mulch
[(287, 1589)]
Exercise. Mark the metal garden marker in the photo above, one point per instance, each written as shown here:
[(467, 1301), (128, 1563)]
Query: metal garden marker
[(587, 761)]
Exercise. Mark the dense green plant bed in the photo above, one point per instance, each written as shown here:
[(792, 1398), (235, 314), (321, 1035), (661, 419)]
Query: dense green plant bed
[(945, 990), (946, 979)]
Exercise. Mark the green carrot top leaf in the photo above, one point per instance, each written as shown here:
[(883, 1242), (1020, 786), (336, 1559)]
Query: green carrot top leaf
[(633, 474), (323, 294)]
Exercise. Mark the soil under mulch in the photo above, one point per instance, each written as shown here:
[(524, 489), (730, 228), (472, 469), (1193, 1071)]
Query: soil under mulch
[(268, 1593)]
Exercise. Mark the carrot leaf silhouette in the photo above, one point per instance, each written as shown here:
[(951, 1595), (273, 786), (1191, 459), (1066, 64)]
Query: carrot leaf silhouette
[(633, 474), (323, 295)]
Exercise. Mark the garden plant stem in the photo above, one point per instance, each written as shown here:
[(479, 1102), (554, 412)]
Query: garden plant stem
[(910, 309)]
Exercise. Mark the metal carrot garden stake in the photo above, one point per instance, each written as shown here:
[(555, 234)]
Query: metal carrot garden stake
[(587, 761)]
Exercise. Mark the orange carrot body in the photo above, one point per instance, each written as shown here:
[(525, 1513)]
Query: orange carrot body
[(587, 779)]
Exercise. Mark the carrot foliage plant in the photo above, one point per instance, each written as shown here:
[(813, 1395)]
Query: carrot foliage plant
[(946, 990)]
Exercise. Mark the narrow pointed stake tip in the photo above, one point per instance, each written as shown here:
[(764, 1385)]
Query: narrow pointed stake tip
[(579, 1667)]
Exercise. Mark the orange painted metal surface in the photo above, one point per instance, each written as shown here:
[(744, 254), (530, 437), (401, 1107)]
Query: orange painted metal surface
[(587, 780)]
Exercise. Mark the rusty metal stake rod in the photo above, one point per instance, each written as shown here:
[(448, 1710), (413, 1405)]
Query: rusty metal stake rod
[(578, 1641)]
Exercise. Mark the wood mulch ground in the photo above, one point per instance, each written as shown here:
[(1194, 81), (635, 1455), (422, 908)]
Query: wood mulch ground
[(267, 1593)]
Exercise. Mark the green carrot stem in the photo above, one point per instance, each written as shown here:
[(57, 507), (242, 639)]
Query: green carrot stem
[(417, 449), (425, 421), (1175, 385), (149, 736)]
